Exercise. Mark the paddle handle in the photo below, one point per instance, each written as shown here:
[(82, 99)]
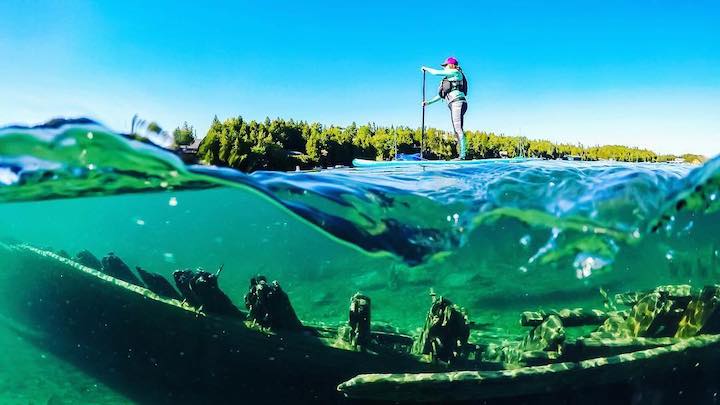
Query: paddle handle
[(422, 128)]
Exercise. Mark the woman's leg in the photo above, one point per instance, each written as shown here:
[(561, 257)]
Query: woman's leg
[(457, 113)]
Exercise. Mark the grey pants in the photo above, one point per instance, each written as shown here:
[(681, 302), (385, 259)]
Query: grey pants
[(457, 114)]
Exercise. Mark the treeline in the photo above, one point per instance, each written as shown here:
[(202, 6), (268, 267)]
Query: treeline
[(686, 158), (285, 144)]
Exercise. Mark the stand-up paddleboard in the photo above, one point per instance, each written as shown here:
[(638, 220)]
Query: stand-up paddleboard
[(396, 163)]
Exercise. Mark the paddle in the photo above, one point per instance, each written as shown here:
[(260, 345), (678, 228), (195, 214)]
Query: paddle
[(422, 130)]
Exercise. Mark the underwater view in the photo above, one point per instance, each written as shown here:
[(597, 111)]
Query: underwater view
[(536, 262)]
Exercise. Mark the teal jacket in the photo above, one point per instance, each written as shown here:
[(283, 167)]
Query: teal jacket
[(452, 75)]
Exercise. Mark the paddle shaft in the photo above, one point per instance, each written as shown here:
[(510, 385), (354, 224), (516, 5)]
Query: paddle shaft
[(422, 130)]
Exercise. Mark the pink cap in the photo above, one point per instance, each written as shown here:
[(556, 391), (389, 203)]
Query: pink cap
[(450, 61)]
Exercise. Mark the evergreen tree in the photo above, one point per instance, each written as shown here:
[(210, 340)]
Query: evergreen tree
[(184, 135)]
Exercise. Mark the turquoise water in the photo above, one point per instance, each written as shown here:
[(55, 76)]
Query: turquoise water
[(496, 238)]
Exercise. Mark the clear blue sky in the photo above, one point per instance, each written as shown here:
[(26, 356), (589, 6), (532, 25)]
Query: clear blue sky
[(644, 73)]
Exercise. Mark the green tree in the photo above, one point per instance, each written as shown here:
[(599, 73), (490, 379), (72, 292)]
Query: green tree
[(184, 135), (363, 141), (209, 149)]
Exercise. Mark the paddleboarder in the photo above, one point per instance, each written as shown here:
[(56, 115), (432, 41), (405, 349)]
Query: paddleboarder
[(453, 89)]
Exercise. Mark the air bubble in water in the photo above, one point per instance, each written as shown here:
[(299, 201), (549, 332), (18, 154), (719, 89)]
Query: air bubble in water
[(8, 177), (67, 142), (689, 226), (585, 264)]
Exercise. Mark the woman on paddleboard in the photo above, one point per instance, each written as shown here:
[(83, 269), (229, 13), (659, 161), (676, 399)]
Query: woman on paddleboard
[(453, 89)]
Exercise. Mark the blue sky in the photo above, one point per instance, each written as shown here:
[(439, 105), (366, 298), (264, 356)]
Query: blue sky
[(644, 73)]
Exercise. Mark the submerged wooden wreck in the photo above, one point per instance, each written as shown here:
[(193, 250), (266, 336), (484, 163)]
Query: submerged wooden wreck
[(664, 349), (163, 350), (160, 350)]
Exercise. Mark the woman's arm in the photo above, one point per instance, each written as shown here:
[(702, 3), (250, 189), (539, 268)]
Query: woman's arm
[(433, 100), (438, 72)]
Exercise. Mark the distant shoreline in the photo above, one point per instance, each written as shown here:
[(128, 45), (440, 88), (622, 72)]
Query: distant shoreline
[(286, 145)]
